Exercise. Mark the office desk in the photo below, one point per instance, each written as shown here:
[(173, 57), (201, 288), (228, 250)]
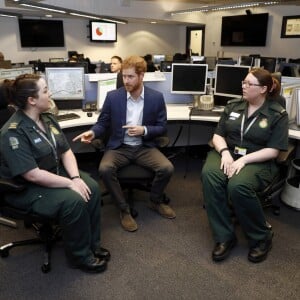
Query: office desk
[(194, 130)]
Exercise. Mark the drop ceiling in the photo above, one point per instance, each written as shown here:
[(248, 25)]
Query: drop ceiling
[(12, 6)]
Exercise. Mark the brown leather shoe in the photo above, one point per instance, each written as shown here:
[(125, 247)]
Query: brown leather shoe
[(163, 209), (128, 222)]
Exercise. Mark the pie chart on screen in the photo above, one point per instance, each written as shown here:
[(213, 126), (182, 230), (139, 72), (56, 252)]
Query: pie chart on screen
[(99, 31)]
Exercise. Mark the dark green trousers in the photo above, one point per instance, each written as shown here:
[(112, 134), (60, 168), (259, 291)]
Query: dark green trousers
[(80, 221), (240, 191)]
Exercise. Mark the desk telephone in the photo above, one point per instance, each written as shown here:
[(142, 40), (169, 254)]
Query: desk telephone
[(204, 102)]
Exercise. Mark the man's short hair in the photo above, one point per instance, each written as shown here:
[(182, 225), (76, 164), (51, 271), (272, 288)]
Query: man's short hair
[(136, 62), (117, 57)]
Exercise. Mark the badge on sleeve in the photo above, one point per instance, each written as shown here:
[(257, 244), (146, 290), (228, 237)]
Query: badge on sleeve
[(14, 142)]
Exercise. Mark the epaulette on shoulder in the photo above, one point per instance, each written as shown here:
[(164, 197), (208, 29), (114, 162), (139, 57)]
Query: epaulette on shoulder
[(278, 108), (13, 125)]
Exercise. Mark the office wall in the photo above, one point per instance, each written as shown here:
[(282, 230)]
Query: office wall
[(141, 38), (275, 46), (133, 38)]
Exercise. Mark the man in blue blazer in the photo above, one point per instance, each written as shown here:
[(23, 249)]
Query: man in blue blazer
[(134, 115)]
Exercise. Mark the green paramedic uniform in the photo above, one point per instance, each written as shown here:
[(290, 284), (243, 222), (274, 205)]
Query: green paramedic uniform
[(266, 128), (24, 147)]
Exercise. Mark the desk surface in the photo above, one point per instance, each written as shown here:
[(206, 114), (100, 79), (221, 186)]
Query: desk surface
[(175, 112)]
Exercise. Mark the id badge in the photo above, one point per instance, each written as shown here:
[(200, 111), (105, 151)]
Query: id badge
[(240, 151)]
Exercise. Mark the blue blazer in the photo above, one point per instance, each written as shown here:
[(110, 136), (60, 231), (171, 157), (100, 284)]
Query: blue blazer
[(113, 117)]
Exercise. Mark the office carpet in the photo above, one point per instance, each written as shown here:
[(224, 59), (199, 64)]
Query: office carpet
[(164, 259)]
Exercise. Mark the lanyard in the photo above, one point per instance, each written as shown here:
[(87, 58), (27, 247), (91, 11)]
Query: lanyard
[(52, 145), (248, 127)]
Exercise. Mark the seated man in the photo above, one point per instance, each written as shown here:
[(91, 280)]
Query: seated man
[(135, 115)]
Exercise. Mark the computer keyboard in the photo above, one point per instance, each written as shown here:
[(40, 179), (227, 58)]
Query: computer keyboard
[(207, 113), (67, 116)]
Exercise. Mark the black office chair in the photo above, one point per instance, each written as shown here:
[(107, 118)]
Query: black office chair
[(269, 197), (46, 230), (134, 177)]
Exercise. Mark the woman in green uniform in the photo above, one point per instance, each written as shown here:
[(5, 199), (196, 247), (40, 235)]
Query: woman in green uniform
[(33, 148), (247, 140)]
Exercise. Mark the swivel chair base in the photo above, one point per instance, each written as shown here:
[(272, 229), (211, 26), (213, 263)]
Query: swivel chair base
[(47, 235)]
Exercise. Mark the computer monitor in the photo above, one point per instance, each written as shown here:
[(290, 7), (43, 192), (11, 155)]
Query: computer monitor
[(157, 58), (211, 61), (41, 66), (228, 80), (289, 69), (222, 61), (104, 86), (105, 67), (65, 83), (189, 78), (268, 63), (246, 60), (15, 72), (166, 66)]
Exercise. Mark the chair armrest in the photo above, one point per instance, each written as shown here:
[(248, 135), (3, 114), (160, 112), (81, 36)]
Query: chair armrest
[(10, 185), (285, 156)]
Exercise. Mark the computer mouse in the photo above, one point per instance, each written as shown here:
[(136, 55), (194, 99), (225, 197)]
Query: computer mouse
[(89, 114)]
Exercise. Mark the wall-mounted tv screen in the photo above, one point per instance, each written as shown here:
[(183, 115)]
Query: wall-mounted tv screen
[(244, 30), (101, 31), (41, 33)]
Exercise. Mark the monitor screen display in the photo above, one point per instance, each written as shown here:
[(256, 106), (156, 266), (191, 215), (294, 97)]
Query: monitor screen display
[(41, 33), (104, 86), (65, 83), (189, 78), (244, 30), (268, 63), (228, 80), (101, 31)]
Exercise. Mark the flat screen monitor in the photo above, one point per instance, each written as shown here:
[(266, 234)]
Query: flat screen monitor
[(65, 83), (41, 66), (228, 80), (157, 58), (101, 31), (244, 30), (189, 78), (41, 33), (104, 86), (246, 60), (211, 62), (268, 63)]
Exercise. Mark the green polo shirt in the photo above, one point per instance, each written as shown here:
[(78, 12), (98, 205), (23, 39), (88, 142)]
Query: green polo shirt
[(24, 146), (266, 128)]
